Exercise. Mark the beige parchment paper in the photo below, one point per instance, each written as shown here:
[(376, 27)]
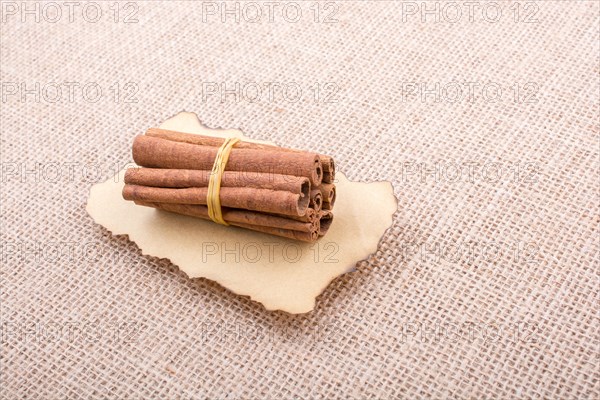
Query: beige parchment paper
[(281, 274)]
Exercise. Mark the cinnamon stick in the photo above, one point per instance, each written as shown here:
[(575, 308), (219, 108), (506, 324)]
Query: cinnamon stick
[(155, 152), (203, 140), (297, 235), (325, 220), (269, 201), (328, 191), (235, 216), (310, 216), (316, 199), (185, 178), (310, 235), (326, 161), (328, 169)]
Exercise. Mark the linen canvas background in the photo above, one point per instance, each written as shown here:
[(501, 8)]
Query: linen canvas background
[(485, 286)]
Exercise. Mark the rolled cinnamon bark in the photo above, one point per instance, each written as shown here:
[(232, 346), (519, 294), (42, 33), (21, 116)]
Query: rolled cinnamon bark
[(328, 169), (325, 220), (269, 201), (326, 161), (265, 188), (310, 235), (310, 216), (328, 190), (297, 235), (203, 140), (316, 199), (235, 216), (155, 152), (185, 178)]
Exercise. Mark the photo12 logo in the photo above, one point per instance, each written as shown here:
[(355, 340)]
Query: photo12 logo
[(269, 92), (475, 172), (71, 11), (269, 252), (269, 11), (470, 92), (70, 331), (55, 172), (520, 332), (68, 92), (469, 11)]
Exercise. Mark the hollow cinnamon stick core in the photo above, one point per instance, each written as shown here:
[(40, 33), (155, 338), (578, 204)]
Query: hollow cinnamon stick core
[(316, 199), (328, 190), (325, 220), (328, 169)]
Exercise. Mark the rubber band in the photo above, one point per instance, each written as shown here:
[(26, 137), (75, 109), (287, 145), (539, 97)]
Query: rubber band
[(214, 184)]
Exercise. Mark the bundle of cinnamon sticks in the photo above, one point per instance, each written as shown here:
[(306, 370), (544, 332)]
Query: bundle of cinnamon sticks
[(269, 189)]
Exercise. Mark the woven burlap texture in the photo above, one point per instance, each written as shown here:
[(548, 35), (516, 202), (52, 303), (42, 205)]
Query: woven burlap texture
[(485, 286)]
